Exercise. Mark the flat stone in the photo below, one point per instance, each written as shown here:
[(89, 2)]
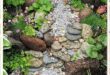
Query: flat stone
[(61, 55), (36, 54), (72, 37), (36, 62), (77, 25), (62, 39), (56, 45), (49, 59), (86, 31), (73, 31)]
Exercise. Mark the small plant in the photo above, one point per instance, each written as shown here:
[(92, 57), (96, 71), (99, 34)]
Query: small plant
[(6, 43), (7, 16), (95, 20), (16, 60), (95, 48), (77, 4), (42, 6), (14, 2), (29, 31)]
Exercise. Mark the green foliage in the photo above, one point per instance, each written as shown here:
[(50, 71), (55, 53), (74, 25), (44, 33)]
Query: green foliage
[(6, 43), (75, 56), (104, 1), (41, 5), (7, 16), (94, 49), (77, 4), (95, 20), (103, 39), (16, 60), (29, 31), (14, 2), (20, 24)]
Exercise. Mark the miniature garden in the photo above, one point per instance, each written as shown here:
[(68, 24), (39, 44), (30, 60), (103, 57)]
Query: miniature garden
[(55, 37)]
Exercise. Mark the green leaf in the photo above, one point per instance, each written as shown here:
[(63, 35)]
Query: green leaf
[(29, 31), (98, 46), (90, 40)]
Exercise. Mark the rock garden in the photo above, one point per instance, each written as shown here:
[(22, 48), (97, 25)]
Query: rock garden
[(55, 37)]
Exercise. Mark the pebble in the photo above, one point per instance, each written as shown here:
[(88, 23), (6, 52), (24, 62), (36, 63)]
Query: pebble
[(36, 54), (72, 37), (62, 39), (36, 62), (49, 59), (86, 31), (71, 52), (77, 25), (61, 55), (56, 45), (39, 34)]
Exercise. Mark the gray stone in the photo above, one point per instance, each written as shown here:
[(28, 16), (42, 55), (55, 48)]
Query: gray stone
[(77, 25), (49, 59), (45, 28), (71, 52), (86, 31), (39, 34), (72, 37), (62, 39), (36, 54), (36, 62), (71, 30), (56, 65), (61, 55), (56, 45)]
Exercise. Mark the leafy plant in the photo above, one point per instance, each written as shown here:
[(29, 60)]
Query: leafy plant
[(6, 43), (95, 20), (14, 2), (7, 16), (20, 24), (104, 1), (75, 56), (94, 50), (29, 31), (41, 5), (14, 60), (77, 4)]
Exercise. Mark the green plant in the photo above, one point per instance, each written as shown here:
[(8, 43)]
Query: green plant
[(104, 1), (75, 56), (16, 60), (94, 49), (14, 2), (20, 24), (6, 42), (95, 20), (29, 31), (41, 5), (7, 16), (77, 4)]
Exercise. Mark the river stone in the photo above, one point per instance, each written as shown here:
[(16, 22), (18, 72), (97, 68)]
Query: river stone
[(72, 37), (62, 39), (56, 65), (73, 31), (61, 55), (86, 31), (36, 54), (56, 45), (36, 62), (49, 59), (77, 25)]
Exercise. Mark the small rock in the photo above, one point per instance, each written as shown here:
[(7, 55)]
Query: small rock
[(36, 54), (29, 2), (9, 33), (62, 39), (72, 37), (56, 45), (45, 28), (81, 40), (56, 65), (77, 25), (73, 31), (86, 31), (71, 52), (61, 55), (39, 34), (33, 43), (35, 62), (49, 59), (48, 38)]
